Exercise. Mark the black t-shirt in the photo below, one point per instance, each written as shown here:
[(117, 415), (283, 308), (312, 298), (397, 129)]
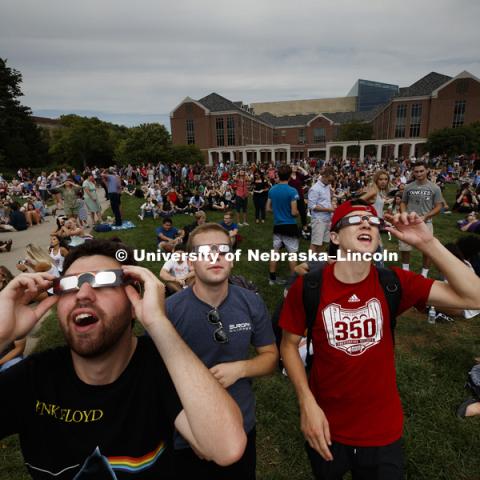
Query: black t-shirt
[(18, 220), (122, 430)]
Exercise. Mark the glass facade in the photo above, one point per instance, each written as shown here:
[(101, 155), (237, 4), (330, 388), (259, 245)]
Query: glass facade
[(370, 94)]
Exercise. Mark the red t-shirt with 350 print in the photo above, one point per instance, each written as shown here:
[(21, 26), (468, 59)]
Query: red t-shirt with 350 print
[(353, 373)]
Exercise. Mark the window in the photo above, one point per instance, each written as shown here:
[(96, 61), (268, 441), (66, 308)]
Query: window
[(190, 132), (401, 116), (319, 135), (230, 130), (301, 135), (458, 113), (220, 132), (415, 120)]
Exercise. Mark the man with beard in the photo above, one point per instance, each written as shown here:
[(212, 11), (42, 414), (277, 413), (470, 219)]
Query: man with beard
[(220, 322), (106, 405)]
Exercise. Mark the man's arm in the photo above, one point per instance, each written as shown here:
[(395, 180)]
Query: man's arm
[(294, 208), (313, 422), (435, 211), (463, 285), (210, 420), (269, 206), (262, 364)]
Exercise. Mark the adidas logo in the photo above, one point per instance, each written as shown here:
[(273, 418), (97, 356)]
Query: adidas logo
[(353, 298)]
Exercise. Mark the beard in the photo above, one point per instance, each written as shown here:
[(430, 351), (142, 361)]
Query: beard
[(106, 334)]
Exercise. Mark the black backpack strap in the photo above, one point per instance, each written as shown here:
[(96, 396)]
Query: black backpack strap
[(393, 294), (312, 285)]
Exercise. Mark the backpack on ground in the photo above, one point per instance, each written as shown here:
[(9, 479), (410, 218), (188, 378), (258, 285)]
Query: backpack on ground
[(473, 381), (241, 281)]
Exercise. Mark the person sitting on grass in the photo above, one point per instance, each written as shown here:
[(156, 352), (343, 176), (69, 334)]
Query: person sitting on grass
[(196, 202), (177, 273), (168, 236), (200, 219), (470, 224), (148, 209), (231, 228), (17, 218)]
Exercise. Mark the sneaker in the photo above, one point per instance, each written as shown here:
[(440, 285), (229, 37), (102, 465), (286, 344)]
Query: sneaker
[(245, 224), (240, 224), (278, 281), (140, 217), (441, 317)]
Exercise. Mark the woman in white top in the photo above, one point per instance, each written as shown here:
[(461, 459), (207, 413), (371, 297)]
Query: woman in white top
[(57, 252)]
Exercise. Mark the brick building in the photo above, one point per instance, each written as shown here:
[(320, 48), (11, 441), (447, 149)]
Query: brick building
[(232, 131)]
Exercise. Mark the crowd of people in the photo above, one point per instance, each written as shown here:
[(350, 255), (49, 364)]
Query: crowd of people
[(200, 338)]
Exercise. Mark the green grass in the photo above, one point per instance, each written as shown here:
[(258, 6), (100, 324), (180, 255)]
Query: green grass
[(432, 362)]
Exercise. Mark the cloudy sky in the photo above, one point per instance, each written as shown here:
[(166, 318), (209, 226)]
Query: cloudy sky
[(131, 62)]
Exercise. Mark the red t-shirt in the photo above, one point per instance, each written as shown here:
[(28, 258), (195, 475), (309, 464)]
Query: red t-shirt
[(353, 373)]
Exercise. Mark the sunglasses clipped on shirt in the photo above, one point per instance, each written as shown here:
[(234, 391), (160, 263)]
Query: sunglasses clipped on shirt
[(103, 278), (358, 219), (221, 249), (219, 335)]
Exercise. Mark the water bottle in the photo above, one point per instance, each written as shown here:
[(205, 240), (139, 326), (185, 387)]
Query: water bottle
[(431, 315)]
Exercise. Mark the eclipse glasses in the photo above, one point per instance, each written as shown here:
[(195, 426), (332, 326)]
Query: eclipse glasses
[(103, 278)]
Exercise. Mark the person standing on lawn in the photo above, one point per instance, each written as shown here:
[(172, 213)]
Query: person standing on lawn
[(350, 410), (220, 322)]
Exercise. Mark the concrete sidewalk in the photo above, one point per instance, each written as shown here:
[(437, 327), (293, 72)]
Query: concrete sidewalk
[(37, 234)]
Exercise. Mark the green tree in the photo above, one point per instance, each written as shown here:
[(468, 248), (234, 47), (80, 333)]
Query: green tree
[(21, 141), (149, 142), (452, 141), (355, 130), (187, 154), (85, 141)]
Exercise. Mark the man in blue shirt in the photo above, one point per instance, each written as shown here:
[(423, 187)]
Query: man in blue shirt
[(220, 322), (168, 236), (231, 227), (114, 189), (282, 200)]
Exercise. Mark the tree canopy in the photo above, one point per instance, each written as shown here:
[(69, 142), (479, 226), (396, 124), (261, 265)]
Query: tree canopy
[(85, 141), (149, 142), (452, 141), (355, 130), (21, 141)]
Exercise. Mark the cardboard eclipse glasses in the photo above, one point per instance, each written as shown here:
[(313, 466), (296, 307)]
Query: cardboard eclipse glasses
[(103, 278)]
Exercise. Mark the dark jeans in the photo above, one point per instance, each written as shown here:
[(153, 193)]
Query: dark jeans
[(365, 463), (260, 202), (188, 465), (302, 210), (115, 204)]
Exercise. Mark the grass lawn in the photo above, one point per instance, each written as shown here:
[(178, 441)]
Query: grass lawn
[(432, 361)]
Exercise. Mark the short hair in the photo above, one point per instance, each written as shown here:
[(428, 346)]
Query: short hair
[(284, 172), (200, 214), (206, 227), (328, 172), (228, 213), (420, 163), (104, 247), (180, 246), (167, 220)]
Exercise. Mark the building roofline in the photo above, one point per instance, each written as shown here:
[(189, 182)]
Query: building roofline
[(463, 74), (189, 100)]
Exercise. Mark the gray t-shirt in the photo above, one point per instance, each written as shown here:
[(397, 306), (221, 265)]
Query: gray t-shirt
[(421, 198), (246, 321)]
